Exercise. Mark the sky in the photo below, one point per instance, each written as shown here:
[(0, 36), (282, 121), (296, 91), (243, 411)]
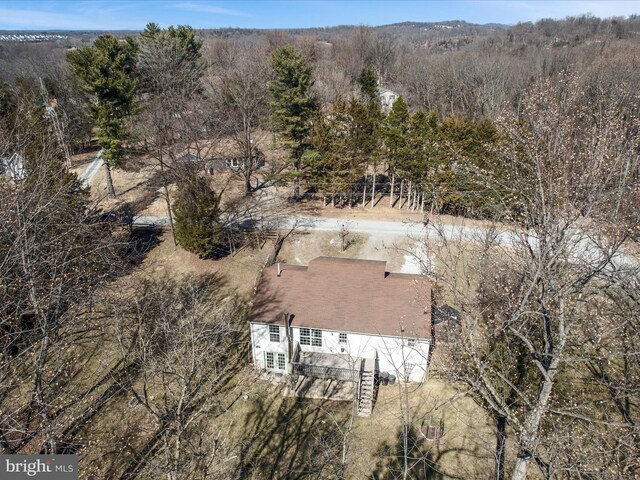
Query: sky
[(135, 14)]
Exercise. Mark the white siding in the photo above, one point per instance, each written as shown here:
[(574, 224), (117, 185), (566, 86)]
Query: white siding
[(261, 343), (393, 353)]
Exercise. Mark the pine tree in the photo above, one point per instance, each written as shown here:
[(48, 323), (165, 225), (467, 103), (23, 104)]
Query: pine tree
[(197, 216), (106, 71), (394, 133), (293, 104), (368, 83), (424, 154), (169, 62), (331, 164), (365, 139)]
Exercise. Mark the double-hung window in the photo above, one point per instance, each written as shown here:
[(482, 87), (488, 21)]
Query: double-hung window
[(311, 336), (305, 336), (274, 333), (316, 338), (342, 338), (269, 360)]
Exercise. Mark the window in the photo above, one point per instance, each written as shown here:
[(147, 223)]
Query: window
[(268, 356), (408, 367), (281, 363), (305, 336), (342, 338), (311, 337), (275, 361), (274, 333), (412, 342)]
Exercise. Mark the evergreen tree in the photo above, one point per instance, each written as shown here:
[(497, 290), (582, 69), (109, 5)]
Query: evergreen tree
[(197, 216), (424, 154), (331, 163), (106, 71), (169, 61), (293, 104), (366, 120), (467, 167), (368, 83), (394, 133)]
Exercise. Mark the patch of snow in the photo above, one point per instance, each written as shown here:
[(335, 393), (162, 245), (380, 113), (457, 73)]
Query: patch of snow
[(417, 261)]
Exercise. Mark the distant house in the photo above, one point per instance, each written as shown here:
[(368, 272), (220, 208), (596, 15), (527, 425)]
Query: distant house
[(387, 98), (12, 166), (217, 165), (189, 158), (344, 320)]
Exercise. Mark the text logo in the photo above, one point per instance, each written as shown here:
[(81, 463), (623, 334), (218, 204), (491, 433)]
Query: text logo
[(46, 467)]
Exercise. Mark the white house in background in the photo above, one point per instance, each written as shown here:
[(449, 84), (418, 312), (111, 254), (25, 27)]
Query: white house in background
[(387, 98), (13, 166), (345, 320)]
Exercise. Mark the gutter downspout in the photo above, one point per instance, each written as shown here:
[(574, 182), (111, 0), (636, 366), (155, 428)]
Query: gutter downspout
[(287, 327)]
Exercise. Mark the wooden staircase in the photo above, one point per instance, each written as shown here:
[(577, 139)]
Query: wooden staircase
[(365, 390)]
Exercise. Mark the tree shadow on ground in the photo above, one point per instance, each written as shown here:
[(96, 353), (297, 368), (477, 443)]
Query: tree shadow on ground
[(140, 242), (293, 440), (415, 457), (411, 455)]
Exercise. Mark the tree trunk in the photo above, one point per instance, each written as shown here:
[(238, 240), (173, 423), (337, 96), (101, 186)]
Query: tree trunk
[(48, 330), (364, 191), (110, 189), (501, 443), (296, 180), (401, 193), (168, 201), (373, 190), (528, 438), (247, 184), (393, 181)]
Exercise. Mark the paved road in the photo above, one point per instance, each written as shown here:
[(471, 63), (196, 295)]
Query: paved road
[(91, 170), (581, 248), (144, 220)]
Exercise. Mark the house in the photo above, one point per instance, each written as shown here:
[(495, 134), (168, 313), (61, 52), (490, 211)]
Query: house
[(231, 164), (13, 166), (342, 319), (189, 158), (387, 98)]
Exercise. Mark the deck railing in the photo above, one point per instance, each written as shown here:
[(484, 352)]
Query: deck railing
[(319, 371)]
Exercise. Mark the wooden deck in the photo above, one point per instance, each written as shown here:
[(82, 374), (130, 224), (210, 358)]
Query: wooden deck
[(322, 388)]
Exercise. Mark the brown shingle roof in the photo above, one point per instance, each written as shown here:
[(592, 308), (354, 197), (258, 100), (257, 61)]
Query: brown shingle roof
[(346, 295)]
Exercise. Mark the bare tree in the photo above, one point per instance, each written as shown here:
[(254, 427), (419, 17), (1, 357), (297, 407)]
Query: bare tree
[(243, 102), (54, 256), (530, 292), (187, 345)]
